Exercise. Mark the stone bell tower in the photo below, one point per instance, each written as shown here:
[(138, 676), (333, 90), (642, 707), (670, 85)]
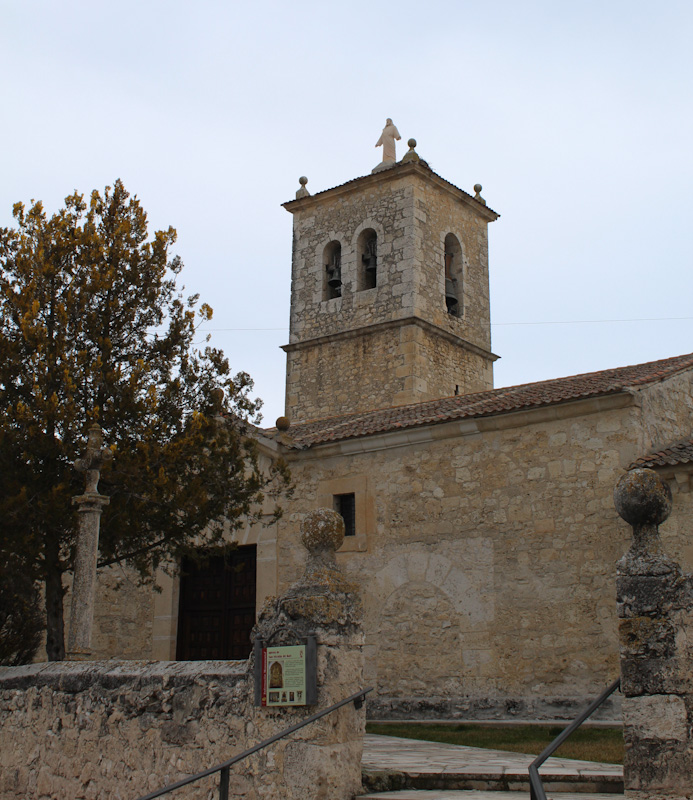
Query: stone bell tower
[(389, 293)]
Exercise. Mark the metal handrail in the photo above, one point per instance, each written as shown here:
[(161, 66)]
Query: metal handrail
[(224, 769), (536, 787)]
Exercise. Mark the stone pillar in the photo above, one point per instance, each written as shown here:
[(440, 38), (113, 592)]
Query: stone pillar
[(90, 506), (323, 760), (655, 607)]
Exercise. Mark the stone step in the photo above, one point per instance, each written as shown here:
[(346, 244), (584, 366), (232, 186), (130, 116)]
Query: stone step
[(490, 781), (470, 794)]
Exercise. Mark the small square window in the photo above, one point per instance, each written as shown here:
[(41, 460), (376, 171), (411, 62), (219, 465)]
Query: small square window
[(345, 504)]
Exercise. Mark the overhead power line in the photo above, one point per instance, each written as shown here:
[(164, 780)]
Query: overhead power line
[(593, 321)]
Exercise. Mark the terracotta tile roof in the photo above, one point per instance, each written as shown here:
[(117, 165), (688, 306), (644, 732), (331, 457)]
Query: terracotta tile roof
[(679, 453), (481, 404)]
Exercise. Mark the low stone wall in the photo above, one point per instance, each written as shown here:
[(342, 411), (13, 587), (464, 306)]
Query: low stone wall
[(120, 729), (496, 707)]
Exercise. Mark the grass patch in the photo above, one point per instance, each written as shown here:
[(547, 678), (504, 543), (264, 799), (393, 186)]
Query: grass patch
[(587, 744)]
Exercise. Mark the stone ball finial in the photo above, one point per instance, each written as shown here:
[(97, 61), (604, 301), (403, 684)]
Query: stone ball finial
[(302, 192), (477, 193), (322, 531), (411, 154), (642, 498), (283, 424)]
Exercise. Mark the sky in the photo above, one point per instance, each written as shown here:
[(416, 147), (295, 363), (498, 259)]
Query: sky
[(576, 117)]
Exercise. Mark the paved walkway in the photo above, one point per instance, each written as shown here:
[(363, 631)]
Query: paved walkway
[(435, 767), (470, 794)]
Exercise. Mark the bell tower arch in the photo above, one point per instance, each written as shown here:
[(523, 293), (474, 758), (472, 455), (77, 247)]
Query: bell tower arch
[(409, 319)]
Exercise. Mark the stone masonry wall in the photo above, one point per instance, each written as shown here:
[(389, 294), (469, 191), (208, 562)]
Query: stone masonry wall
[(116, 729), (82, 731), (411, 217), (487, 567), (390, 367), (443, 367), (411, 214), (437, 213), (387, 208), (486, 578), (677, 531), (123, 615), (500, 533), (663, 407)]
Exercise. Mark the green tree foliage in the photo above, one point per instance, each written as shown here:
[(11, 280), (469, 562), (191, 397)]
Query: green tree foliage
[(93, 328)]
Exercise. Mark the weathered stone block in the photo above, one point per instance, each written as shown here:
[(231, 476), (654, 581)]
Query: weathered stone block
[(661, 716), (647, 638), (661, 769), (651, 596), (656, 676)]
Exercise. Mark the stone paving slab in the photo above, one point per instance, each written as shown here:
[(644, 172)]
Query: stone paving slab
[(391, 763), (504, 722), (416, 755), (466, 794)]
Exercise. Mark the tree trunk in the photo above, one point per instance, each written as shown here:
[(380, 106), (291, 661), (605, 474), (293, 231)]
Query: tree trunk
[(55, 625)]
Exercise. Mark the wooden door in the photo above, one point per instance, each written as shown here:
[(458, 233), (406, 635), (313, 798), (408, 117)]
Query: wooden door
[(216, 610)]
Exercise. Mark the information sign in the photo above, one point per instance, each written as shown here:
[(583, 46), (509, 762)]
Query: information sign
[(284, 676)]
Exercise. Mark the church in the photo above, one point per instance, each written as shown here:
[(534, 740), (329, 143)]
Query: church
[(479, 522)]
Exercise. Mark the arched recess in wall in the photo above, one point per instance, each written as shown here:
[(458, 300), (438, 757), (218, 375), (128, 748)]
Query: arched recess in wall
[(367, 259), (418, 626), (454, 294), (332, 275)]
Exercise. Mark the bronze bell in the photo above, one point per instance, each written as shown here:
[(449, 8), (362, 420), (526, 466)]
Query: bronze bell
[(369, 258), (334, 271), (334, 274), (451, 293)]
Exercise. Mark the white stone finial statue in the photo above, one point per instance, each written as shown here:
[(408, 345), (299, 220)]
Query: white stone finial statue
[(90, 506), (94, 459), (387, 140)]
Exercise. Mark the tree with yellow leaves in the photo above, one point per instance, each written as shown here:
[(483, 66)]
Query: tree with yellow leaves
[(93, 328)]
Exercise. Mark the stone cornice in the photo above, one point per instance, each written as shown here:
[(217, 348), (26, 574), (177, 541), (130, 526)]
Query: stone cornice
[(354, 333), (456, 429), (399, 170)]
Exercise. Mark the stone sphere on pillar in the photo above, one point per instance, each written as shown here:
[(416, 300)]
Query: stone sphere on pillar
[(641, 497), (322, 531)]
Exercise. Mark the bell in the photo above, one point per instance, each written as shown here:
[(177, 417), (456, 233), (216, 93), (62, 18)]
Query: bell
[(450, 293), (370, 263), (334, 275)]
